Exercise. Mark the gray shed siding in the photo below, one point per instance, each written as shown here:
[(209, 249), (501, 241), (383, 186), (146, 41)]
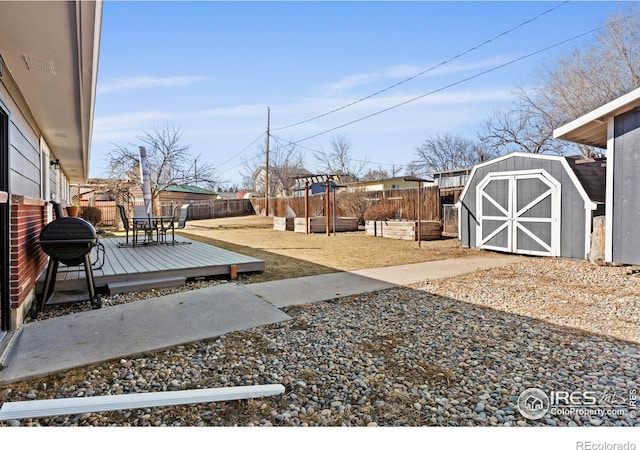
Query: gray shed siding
[(626, 188), (572, 215)]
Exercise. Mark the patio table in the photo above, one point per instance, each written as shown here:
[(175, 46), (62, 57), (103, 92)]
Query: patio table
[(151, 224)]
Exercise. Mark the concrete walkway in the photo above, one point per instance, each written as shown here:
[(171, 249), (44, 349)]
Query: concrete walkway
[(63, 343)]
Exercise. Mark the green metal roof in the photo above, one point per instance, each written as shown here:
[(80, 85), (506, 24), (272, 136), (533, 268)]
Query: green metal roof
[(189, 190)]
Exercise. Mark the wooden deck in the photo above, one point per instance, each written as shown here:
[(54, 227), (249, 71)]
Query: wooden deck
[(153, 266)]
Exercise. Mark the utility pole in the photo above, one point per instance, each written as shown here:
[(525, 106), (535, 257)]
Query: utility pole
[(266, 173)]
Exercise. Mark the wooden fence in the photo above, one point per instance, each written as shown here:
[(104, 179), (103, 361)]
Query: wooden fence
[(207, 209), (353, 204), (210, 209)]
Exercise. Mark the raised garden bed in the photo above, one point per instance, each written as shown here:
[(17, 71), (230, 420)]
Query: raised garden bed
[(318, 224), (404, 229), (283, 223)]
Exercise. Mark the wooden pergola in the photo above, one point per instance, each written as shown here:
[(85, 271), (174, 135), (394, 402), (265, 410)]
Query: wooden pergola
[(313, 179)]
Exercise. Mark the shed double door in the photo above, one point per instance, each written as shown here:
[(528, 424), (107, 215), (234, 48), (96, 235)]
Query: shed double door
[(519, 212)]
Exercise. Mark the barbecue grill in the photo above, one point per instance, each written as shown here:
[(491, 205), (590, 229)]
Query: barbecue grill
[(68, 240)]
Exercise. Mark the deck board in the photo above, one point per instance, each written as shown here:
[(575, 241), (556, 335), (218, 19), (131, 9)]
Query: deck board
[(149, 262)]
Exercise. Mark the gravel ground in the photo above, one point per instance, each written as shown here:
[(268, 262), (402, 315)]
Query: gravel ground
[(455, 352)]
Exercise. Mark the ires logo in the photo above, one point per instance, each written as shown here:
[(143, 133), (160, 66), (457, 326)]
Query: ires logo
[(534, 403), (576, 398)]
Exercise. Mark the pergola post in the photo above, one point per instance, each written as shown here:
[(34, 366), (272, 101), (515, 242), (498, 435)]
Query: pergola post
[(306, 206), (419, 204), (327, 207)]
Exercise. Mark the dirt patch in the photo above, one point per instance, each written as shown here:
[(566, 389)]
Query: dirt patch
[(288, 254)]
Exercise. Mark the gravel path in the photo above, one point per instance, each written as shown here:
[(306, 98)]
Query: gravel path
[(455, 352)]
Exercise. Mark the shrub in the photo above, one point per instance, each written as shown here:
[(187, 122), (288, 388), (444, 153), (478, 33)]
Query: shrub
[(91, 214), (380, 211)]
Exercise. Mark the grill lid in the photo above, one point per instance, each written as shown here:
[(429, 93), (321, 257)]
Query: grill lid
[(68, 239)]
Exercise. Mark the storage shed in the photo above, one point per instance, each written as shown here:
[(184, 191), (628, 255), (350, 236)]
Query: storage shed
[(532, 204), (615, 126)]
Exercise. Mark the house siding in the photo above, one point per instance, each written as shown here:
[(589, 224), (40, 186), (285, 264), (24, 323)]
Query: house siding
[(572, 212), (626, 188), (28, 212), (28, 216)]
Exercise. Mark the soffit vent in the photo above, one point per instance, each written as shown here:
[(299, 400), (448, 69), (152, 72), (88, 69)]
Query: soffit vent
[(39, 65)]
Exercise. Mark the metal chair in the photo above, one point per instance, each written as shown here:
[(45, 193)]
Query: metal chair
[(176, 224), (128, 227), (166, 226), (146, 224)]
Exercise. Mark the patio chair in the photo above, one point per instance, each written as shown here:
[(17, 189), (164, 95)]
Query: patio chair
[(165, 226), (125, 221), (146, 224), (176, 223), (128, 227)]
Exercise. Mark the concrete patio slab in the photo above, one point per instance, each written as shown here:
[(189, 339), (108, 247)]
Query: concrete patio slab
[(96, 336)]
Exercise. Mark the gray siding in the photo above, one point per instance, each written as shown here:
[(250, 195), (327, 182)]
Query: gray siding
[(626, 189), (24, 157), (572, 215), (24, 150)]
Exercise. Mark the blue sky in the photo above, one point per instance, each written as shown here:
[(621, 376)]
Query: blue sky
[(213, 68)]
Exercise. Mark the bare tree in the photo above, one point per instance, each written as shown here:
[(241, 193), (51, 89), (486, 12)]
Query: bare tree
[(441, 153), (575, 84), (339, 161), (285, 163), (170, 162), (375, 174), (528, 128)]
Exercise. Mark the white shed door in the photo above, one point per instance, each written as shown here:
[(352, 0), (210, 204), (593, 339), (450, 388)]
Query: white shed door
[(519, 212)]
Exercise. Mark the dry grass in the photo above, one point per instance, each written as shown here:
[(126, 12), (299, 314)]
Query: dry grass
[(288, 254)]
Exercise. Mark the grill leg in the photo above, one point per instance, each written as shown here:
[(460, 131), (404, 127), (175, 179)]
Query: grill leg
[(49, 283), (89, 275)]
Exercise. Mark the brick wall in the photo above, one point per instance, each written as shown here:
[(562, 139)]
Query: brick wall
[(28, 217)]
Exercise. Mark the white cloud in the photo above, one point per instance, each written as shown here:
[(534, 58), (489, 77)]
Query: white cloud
[(399, 73), (143, 82)]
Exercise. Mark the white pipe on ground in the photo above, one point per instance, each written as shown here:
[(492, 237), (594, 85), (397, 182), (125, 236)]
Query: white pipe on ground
[(79, 405)]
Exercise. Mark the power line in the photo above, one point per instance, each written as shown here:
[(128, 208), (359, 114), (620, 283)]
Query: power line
[(493, 69), (476, 47), (241, 151), (373, 163)]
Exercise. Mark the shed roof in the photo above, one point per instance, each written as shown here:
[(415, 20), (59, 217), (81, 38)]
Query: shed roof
[(592, 175), (591, 129), (588, 175)]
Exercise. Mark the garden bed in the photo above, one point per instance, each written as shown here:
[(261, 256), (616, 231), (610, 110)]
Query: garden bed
[(318, 224), (283, 223), (404, 229)]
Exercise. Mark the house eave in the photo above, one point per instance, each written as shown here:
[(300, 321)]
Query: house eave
[(591, 129), (50, 51)]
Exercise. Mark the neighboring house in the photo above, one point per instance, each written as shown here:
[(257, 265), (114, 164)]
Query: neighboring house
[(532, 204), (451, 184), (48, 73), (616, 128), (279, 186), (385, 184)]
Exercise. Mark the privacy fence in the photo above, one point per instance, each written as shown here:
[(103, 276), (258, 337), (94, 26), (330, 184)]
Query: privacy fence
[(206, 209), (347, 204), (354, 204)]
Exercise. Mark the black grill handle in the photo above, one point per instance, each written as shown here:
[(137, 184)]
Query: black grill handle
[(68, 241)]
